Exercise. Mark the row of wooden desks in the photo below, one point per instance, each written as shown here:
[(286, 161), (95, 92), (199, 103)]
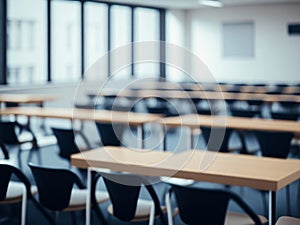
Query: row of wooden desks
[(201, 95), (245, 88), (26, 98), (132, 119), (193, 121), (260, 173), (138, 119), (250, 171)]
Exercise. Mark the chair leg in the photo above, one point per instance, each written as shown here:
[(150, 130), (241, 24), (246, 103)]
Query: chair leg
[(37, 151), (56, 215), (19, 157), (169, 208), (73, 217), (152, 214), (264, 202), (43, 211), (4, 150), (288, 201), (100, 214), (24, 204)]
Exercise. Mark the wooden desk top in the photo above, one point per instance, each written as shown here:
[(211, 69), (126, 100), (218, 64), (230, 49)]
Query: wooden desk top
[(231, 169), (26, 98), (247, 88), (241, 123), (210, 95), (134, 119)]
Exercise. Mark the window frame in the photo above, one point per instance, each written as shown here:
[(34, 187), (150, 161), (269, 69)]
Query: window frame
[(162, 37)]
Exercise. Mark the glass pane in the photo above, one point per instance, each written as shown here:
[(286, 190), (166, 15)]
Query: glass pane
[(26, 37), (175, 36), (65, 36), (95, 32), (120, 40), (146, 22)]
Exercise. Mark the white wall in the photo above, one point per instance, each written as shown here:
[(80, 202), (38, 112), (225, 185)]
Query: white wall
[(277, 55)]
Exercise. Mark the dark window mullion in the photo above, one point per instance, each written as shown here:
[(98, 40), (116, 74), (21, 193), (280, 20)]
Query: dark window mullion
[(3, 44), (82, 39), (108, 39), (162, 38), (132, 42), (49, 40)]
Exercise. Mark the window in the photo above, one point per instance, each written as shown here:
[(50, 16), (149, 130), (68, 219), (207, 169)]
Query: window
[(175, 54), (26, 42), (95, 32), (146, 29), (120, 39), (66, 42), (106, 29)]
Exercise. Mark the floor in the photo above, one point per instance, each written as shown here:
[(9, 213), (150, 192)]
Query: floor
[(177, 140)]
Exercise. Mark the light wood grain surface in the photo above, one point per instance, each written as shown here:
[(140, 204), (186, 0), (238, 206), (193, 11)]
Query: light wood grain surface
[(134, 119), (241, 123), (26, 98), (209, 95), (257, 172)]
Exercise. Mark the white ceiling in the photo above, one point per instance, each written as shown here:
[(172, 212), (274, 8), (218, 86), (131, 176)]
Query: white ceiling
[(191, 4)]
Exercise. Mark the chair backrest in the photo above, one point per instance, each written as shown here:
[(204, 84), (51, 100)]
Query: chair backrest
[(255, 102), (66, 142), (124, 190), (8, 133), (207, 206), (6, 173), (54, 186), (285, 116), (213, 138), (245, 112), (274, 144), (110, 134)]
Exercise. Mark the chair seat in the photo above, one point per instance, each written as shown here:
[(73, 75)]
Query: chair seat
[(142, 210), (78, 199), (286, 220), (178, 181), (25, 137), (15, 192), (234, 218)]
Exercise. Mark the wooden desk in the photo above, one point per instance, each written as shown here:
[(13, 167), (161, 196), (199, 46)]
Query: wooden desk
[(130, 118), (247, 88), (205, 95), (240, 123), (26, 98), (195, 121), (250, 171), (36, 99)]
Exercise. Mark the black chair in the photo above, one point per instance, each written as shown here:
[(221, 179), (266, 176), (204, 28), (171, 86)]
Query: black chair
[(124, 190), (18, 191), (284, 116), (4, 151), (249, 113), (276, 145), (255, 103), (209, 206), (110, 134), (289, 106), (161, 106), (57, 193), (66, 142), (10, 135), (217, 139)]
